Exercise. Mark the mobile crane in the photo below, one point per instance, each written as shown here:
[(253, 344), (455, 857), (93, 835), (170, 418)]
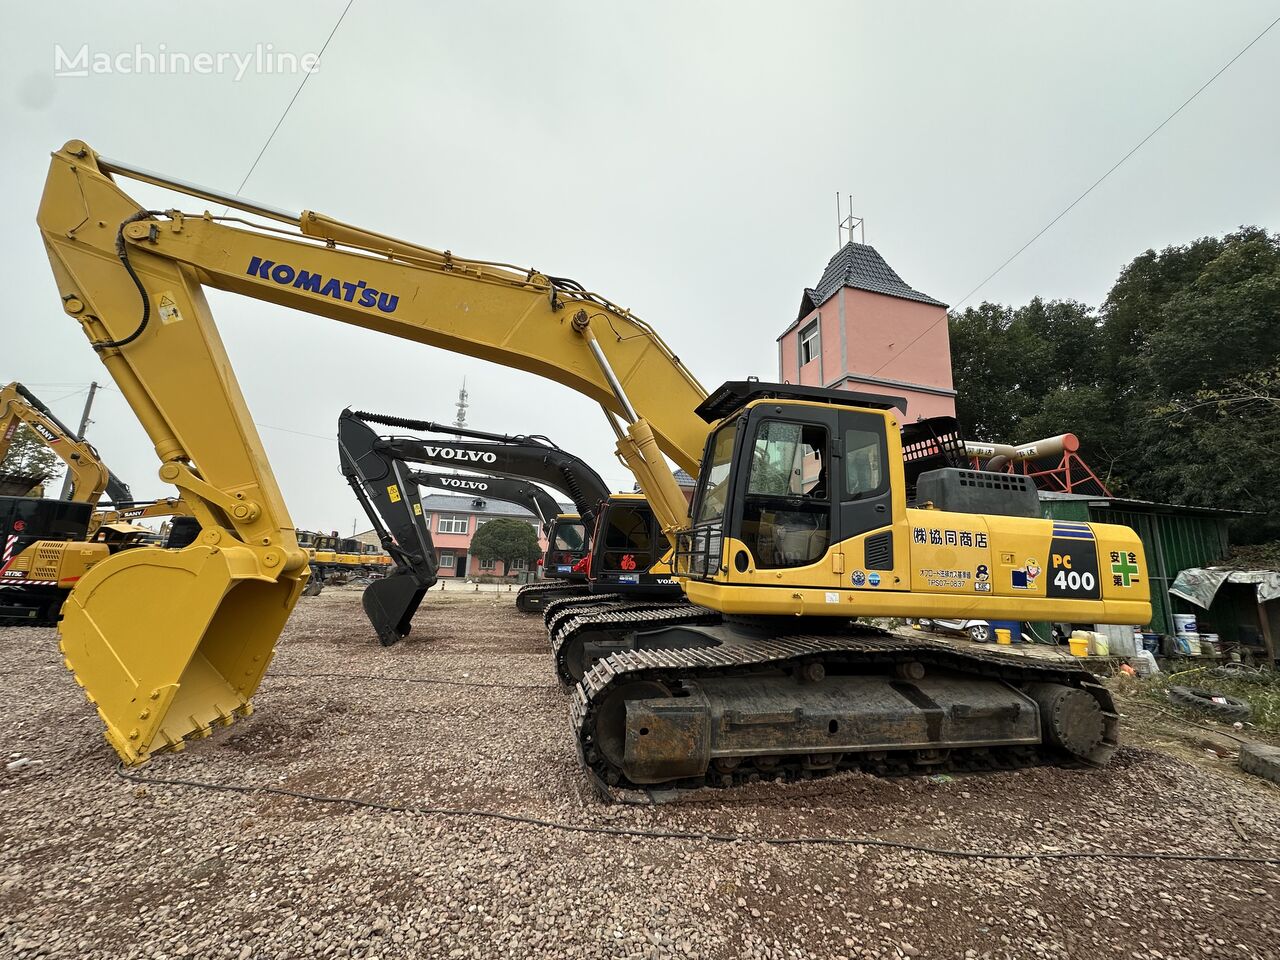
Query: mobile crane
[(800, 522), (43, 543)]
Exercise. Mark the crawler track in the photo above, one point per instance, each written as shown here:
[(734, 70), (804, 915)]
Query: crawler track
[(613, 622), (853, 650), (533, 597)]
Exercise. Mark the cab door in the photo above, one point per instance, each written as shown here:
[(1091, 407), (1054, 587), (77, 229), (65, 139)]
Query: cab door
[(863, 491), (785, 514)]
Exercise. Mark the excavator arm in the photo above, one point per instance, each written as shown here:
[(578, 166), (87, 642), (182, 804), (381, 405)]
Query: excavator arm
[(89, 475), (385, 489), (515, 457), (133, 279)]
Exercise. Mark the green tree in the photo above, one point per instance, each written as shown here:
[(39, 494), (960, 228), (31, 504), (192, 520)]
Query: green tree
[(29, 456), (1171, 386), (507, 540)]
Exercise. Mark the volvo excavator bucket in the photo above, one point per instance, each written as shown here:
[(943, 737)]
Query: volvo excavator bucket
[(390, 604), (169, 644)]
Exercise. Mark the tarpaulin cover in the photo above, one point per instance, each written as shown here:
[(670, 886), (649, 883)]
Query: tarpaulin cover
[(1199, 585)]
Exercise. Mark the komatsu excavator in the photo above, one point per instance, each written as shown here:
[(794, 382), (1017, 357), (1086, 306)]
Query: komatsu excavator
[(43, 543), (800, 523), (514, 457)]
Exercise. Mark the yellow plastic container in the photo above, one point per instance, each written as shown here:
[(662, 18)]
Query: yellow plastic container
[(1080, 643), (1004, 636)]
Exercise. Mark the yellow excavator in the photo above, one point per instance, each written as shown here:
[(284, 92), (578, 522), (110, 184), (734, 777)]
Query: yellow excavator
[(800, 522), (43, 548)]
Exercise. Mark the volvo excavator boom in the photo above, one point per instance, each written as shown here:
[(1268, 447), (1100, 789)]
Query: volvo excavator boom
[(801, 520), (385, 489), (519, 492)]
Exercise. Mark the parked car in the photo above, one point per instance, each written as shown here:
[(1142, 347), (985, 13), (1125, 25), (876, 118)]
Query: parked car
[(979, 631)]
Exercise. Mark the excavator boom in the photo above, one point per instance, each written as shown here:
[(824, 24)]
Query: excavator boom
[(89, 475), (519, 492), (385, 489), (133, 279)]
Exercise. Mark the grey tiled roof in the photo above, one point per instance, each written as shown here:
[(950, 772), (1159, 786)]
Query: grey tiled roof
[(860, 266), (453, 503), (684, 480)]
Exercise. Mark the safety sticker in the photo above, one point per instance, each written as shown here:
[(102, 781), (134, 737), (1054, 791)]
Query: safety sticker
[(1124, 568), (394, 493), (168, 308)]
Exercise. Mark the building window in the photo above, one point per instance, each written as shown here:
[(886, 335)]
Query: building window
[(519, 563), (486, 564), (809, 343), (447, 561), (452, 524)]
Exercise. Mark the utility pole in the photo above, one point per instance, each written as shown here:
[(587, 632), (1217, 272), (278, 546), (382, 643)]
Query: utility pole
[(84, 425)]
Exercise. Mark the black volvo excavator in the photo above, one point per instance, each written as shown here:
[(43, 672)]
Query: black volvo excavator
[(525, 458)]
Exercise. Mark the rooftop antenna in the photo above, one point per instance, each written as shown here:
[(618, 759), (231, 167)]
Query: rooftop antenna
[(846, 225)]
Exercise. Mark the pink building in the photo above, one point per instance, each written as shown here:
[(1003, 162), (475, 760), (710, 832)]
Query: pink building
[(863, 328), (454, 520)]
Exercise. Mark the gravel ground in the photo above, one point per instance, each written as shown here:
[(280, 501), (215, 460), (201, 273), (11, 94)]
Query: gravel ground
[(94, 866)]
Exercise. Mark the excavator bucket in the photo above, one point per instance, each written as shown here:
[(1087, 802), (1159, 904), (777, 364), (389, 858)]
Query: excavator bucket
[(390, 604), (169, 644)]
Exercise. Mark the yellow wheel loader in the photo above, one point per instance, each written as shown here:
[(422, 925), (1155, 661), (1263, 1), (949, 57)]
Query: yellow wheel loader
[(802, 522)]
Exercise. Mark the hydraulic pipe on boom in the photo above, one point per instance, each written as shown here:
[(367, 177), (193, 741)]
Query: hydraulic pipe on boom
[(801, 521)]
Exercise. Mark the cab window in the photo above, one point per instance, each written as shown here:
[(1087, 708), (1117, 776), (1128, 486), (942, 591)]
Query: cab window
[(569, 536), (628, 539), (714, 491), (863, 463), (786, 519)]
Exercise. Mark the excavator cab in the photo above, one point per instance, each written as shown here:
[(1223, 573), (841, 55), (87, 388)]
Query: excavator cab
[(629, 554), (566, 546), (786, 478)]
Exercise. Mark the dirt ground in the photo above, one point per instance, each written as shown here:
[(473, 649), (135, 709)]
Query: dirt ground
[(92, 865)]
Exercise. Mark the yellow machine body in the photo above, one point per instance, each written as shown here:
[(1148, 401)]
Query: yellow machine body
[(953, 565), (59, 563)]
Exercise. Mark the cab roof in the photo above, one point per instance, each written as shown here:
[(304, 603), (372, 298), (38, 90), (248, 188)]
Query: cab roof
[(733, 395)]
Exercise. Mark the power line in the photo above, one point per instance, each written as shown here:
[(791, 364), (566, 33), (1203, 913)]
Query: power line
[(305, 78), (1114, 167), (299, 433)]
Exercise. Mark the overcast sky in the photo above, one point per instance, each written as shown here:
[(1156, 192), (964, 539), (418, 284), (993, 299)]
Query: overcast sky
[(680, 158)]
